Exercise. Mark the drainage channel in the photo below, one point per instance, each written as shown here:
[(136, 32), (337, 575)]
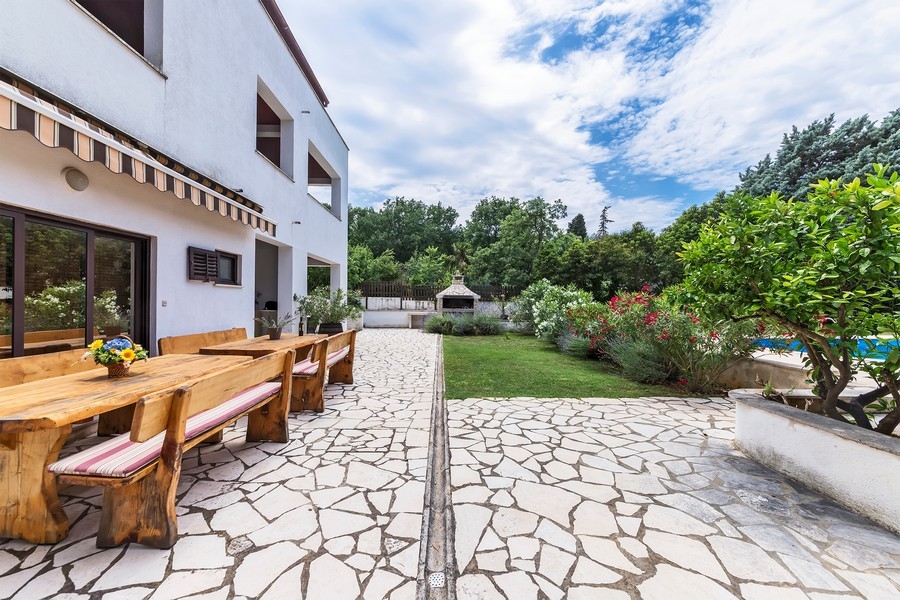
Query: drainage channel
[(437, 568)]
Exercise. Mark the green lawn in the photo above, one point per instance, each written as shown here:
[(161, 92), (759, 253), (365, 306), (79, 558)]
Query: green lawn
[(515, 365)]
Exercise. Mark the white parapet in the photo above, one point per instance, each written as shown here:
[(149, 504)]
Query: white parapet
[(853, 466)]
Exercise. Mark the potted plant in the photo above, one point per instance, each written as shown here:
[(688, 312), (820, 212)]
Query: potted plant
[(116, 355), (325, 310), (276, 324)]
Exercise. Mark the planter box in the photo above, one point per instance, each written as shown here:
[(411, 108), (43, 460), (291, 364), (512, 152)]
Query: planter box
[(855, 467)]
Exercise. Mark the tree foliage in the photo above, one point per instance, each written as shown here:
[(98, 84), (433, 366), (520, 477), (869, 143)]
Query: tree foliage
[(405, 227), (578, 227), (430, 267), (821, 151), (825, 269)]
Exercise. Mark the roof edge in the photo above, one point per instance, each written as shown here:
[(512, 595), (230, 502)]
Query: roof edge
[(287, 36)]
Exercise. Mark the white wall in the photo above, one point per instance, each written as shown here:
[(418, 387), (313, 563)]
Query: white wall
[(200, 109), (852, 466)]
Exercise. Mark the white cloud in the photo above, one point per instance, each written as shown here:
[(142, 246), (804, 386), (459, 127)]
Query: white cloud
[(449, 101), (760, 68)]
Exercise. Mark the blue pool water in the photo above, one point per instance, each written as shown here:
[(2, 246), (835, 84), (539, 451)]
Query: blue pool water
[(864, 345)]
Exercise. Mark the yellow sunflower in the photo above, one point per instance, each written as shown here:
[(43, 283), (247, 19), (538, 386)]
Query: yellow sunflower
[(95, 344), (127, 355)]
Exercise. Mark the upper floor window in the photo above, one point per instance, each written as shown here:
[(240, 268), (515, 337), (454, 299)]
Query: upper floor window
[(138, 23), (323, 184), (274, 130)]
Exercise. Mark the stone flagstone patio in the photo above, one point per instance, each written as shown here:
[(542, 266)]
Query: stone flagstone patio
[(563, 498)]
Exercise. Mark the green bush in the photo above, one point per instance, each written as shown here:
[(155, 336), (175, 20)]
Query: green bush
[(442, 324), (463, 324)]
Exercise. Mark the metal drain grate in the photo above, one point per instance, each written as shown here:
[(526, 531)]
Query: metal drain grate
[(436, 580)]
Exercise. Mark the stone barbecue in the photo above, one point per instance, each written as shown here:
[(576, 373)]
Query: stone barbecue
[(457, 298)]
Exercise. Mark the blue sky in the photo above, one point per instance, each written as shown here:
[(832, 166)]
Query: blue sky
[(647, 106)]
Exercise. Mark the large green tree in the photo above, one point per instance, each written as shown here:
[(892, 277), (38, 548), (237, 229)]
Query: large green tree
[(826, 269), (823, 151), (510, 260), (405, 226)]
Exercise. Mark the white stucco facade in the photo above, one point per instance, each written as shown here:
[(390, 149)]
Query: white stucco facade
[(198, 105)]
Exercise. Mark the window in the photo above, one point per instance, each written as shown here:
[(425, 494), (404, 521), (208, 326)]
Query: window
[(64, 284), (214, 265), (268, 131), (138, 23), (274, 130), (323, 185)]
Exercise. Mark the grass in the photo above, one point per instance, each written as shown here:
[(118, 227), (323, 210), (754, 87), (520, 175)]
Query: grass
[(515, 365)]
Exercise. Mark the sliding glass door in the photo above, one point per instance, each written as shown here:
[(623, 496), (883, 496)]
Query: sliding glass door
[(50, 270)]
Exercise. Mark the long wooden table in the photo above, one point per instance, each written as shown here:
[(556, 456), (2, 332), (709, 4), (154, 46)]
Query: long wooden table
[(260, 346), (36, 418)]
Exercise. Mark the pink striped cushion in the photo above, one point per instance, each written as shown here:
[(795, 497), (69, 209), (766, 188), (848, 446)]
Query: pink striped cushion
[(337, 355), (120, 457), (305, 367)]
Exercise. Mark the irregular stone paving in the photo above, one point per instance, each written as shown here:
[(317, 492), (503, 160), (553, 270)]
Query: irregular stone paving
[(579, 499), (643, 498), (334, 514)]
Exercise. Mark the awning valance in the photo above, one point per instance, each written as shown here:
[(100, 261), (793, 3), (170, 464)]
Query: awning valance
[(55, 127)]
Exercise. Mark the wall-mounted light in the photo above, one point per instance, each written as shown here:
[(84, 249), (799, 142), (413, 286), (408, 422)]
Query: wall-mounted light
[(77, 180)]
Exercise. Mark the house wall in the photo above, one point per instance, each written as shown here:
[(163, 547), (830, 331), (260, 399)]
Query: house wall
[(199, 107)]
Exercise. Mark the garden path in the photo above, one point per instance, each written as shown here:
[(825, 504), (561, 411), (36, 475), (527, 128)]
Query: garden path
[(563, 498)]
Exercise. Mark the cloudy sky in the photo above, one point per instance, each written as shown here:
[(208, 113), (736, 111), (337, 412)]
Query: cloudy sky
[(647, 106)]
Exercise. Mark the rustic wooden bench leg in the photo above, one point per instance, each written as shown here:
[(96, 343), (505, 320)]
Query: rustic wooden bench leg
[(341, 371), (307, 394), (269, 422), (142, 511), (32, 510)]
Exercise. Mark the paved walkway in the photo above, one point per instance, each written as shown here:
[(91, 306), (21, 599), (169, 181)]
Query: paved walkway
[(636, 498)]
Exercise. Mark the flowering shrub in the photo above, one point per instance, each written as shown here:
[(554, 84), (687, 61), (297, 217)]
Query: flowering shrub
[(653, 340), (116, 350), (523, 315), (551, 310)]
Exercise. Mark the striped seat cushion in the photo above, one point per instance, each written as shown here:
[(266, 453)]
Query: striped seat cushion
[(305, 367), (120, 457), (337, 355)]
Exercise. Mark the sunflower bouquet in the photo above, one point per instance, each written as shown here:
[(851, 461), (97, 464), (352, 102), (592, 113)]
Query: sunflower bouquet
[(120, 349)]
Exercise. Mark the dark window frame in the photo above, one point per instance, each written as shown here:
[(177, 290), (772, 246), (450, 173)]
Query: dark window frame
[(204, 265), (140, 295)]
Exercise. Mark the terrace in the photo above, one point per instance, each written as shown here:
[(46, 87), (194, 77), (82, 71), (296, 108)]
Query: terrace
[(563, 498)]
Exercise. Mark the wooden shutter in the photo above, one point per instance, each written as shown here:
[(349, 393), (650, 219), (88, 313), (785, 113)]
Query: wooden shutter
[(203, 265)]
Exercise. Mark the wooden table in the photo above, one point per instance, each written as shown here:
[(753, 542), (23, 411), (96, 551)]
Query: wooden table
[(36, 418), (260, 346)]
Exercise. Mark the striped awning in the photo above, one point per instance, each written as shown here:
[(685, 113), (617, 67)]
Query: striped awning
[(55, 127)]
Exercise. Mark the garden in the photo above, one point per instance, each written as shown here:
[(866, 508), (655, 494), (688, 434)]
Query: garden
[(822, 272)]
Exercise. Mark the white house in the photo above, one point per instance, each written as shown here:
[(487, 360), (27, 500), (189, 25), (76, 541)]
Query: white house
[(172, 159)]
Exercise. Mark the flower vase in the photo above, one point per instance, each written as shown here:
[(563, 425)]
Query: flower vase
[(274, 333), (117, 370)]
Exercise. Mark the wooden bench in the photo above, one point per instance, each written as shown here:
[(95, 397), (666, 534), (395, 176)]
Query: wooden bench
[(23, 369), (47, 341), (192, 342), (139, 470), (333, 354)]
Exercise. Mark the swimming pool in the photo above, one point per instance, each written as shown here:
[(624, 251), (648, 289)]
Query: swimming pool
[(864, 346)]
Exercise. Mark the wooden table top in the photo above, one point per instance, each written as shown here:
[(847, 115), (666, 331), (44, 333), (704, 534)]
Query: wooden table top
[(57, 401), (260, 346)]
